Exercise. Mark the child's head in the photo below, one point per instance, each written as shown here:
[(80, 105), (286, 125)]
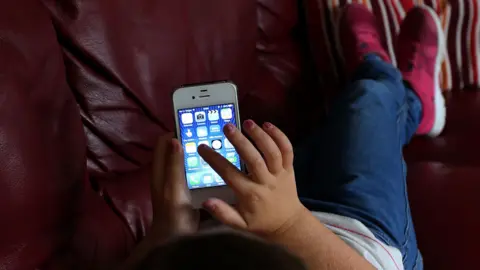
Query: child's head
[(220, 251)]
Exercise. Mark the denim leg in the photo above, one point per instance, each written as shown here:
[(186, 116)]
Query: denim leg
[(354, 165)]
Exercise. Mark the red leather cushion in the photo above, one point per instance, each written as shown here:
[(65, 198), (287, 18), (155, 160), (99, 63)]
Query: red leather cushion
[(445, 201), (123, 61), (100, 239), (42, 148), (444, 187), (458, 144)]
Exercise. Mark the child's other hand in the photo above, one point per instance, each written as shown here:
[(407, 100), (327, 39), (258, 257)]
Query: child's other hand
[(267, 201), (173, 213)]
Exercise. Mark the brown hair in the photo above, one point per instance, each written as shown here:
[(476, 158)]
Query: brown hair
[(227, 251)]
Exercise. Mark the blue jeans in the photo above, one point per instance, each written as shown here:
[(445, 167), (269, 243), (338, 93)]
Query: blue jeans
[(354, 167)]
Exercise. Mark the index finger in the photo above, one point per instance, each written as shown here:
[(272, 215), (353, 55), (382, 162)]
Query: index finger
[(235, 178)]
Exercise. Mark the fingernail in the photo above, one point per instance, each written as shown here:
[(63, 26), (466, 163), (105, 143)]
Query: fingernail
[(202, 146), (175, 145), (229, 128), (248, 124), (267, 125), (209, 205)]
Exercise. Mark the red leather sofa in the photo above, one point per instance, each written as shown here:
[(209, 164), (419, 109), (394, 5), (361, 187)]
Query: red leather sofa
[(85, 91)]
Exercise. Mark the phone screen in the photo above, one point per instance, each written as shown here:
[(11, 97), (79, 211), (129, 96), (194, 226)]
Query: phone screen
[(204, 125)]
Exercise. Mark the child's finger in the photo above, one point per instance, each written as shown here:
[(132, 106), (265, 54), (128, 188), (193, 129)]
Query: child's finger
[(225, 213), (159, 164), (175, 188), (273, 156), (282, 142), (248, 153), (235, 179)]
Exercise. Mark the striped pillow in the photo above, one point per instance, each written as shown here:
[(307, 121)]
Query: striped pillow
[(460, 19)]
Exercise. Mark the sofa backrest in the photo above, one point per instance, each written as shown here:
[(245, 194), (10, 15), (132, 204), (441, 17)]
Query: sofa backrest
[(460, 20)]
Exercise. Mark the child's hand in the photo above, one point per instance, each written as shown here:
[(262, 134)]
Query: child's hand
[(173, 213), (267, 201)]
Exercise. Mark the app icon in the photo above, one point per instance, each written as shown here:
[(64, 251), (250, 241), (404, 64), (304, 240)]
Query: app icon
[(217, 144), (203, 142), (215, 129), (227, 143), (218, 179), (189, 133), (207, 179), (200, 116), (202, 131), (192, 162), (226, 113), (193, 179), (213, 115), (232, 159), (187, 118), (190, 147)]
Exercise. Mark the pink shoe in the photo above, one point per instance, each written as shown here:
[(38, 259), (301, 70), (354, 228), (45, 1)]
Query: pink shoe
[(420, 51), (359, 35)]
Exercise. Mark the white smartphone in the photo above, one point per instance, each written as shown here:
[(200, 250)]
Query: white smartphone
[(201, 112)]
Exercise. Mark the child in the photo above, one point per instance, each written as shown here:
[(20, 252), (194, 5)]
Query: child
[(351, 210)]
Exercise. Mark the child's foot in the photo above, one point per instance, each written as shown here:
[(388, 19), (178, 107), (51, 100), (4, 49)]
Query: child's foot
[(420, 51), (359, 36)]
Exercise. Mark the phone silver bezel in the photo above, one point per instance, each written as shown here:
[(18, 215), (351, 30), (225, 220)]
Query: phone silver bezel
[(207, 95)]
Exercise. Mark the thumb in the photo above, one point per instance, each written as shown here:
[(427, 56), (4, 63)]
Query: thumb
[(159, 166), (225, 213), (175, 188)]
